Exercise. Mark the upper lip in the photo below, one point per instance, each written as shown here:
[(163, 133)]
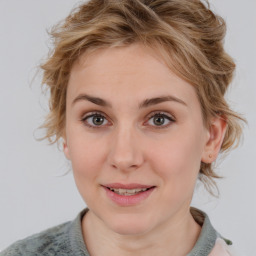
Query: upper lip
[(127, 186)]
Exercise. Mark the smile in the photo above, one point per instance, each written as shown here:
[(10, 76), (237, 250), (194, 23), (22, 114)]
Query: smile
[(128, 192)]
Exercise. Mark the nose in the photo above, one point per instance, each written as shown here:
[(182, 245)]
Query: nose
[(125, 153)]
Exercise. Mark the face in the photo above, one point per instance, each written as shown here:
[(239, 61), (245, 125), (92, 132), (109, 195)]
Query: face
[(135, 137)]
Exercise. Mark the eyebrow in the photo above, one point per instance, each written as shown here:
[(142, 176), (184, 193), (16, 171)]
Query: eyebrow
[(95, 100), (146, 103), (149, 102)]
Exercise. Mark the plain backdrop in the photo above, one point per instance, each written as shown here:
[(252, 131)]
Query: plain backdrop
[(34, 192)]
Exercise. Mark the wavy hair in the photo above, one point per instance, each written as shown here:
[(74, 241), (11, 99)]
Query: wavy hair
[(187, 34)]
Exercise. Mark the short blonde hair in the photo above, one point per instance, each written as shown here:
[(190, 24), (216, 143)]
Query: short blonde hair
[(187, 34)]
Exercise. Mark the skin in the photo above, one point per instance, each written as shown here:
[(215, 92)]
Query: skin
[(128, 147)]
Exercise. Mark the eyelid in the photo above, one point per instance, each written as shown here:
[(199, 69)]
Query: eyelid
[(170, 117), (166, 115), (163, 113), (91, 114)]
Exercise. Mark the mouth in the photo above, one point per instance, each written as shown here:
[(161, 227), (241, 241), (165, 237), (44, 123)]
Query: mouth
[(128, 192)]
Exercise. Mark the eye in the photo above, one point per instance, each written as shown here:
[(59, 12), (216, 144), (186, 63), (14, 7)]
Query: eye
[(95, 120), (160, 120)]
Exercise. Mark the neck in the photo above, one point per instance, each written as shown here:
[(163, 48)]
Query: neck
[(175, 237)]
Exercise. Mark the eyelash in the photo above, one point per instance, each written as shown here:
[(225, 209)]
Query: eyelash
[(93, 114), (163, 115), (170, 118)]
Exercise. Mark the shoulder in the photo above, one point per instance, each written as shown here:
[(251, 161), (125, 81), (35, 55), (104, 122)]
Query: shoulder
[(48, 242), (222, 248), (210, 242)]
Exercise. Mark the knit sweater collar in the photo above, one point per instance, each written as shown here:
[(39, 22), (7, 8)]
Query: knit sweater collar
[(203, 246)]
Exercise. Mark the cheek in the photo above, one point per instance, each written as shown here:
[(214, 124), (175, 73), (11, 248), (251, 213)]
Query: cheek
[(86, 156), (86, 159), (178, 160)]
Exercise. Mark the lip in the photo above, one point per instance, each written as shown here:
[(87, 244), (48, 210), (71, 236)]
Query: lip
[(127, 186), (125, 200)]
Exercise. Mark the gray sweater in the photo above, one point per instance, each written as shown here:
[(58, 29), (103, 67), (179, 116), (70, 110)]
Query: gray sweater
[(67, 239)]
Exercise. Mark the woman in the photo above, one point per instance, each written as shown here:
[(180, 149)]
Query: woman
[(137, 98)]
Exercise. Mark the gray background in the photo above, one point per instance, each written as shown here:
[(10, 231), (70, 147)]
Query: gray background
[(35, 195)]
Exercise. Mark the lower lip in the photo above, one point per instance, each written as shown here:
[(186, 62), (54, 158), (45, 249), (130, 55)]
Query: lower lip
[(128, 200)]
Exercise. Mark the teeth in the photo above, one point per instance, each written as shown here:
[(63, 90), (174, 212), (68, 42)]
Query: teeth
[(128, 192)]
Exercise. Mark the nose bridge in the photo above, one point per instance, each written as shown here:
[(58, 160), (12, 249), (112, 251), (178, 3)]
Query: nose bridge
[(124, 151)]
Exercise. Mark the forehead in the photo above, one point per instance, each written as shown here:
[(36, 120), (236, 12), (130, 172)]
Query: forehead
[(131, 72)]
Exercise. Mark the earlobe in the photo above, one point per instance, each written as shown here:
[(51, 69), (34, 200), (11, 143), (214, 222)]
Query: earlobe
[(215, 139), (66, 149)]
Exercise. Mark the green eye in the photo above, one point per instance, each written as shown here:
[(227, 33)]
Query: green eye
[(160, 120), (96, 120)]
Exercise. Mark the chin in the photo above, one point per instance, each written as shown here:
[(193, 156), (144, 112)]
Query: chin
[(130, 231), (127, 225)]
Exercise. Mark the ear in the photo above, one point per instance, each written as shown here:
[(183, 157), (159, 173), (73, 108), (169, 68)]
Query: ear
[(66, 149), (216, 133)]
